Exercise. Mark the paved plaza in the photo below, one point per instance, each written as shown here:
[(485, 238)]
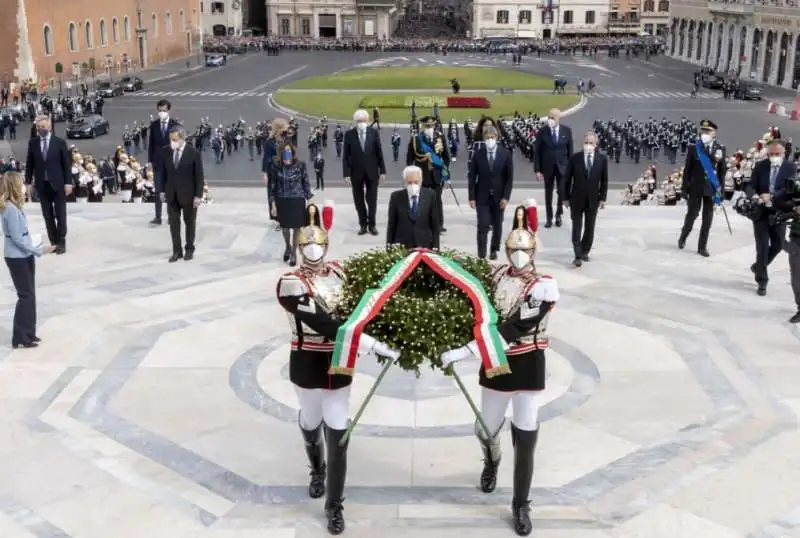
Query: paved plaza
[(158, 405)]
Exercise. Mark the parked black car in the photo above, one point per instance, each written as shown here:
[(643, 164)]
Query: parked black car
[(89, 126), (108, 89), (712, 81), (131, 84), (748, 92)]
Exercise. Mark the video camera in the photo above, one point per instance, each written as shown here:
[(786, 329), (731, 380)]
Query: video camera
[(782, 209)]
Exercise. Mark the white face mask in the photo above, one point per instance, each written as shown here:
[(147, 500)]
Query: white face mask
[(313, 252), (775, 160), (413, 189), (361, 126), (429, 132), (491, 144), (551, 122), (588, 148), (520, 259), (162, 115), (174, 145), (706, 138)]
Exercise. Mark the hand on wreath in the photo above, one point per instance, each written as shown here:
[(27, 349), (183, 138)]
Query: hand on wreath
[(369, 345), (459, 354)]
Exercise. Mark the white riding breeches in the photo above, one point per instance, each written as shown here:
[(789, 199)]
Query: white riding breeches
[(525, 409), (322, 405)]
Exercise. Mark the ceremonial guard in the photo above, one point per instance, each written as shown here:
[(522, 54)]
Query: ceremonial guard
[(319, 170), (428, 150), (338, 140), (310, 295), (524, 299), (705, 165), (396, 141)]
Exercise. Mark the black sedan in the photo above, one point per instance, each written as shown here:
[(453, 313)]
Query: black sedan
[(712, 82), (747, 92), (88, 127), (131, 84), (109, 89)]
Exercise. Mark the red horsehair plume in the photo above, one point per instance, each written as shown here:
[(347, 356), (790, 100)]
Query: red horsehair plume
[(327, 215), (533, 214)]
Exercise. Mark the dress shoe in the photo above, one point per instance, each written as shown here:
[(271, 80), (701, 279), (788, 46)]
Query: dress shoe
[(362, 230), (287, 254), (60, 249), (586, 258), (25, 345), (36, 340), (373, 230), (548, 224), (703, 252), (155, 222), (493, 255), (292, 261), (442, 230), (762, 291), (189, 256), (558, 222), (795, 318), (577, 262), (682, 243), (175, 257)]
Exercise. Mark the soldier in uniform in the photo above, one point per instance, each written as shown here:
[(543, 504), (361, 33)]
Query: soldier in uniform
[(251, 143), (310, 295), (338, 140), (319, 170), (524, 299), (396, 141), (704, 169), (428, 150)]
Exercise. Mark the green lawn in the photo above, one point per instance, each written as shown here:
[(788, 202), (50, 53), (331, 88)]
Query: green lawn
[(340, 106), (424, 78)]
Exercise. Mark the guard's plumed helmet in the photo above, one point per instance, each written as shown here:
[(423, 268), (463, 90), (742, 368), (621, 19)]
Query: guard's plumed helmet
[(526, 224), (318, 223)]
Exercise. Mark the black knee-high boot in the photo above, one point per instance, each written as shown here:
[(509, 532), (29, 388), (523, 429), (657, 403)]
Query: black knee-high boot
[(491, 458), (337, 472), (524, 447), (316, 459)]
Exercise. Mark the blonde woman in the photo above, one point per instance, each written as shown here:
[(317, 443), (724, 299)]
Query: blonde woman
[(19, 252)]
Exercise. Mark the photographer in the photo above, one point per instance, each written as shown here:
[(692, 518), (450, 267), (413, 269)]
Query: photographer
[(770, 177), (788, 201)]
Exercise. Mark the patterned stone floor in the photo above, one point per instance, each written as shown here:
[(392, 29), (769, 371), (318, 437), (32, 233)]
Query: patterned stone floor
[(158, 404)]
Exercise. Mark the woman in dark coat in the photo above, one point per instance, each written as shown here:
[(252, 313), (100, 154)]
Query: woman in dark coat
[(278, 133), (288, 191)]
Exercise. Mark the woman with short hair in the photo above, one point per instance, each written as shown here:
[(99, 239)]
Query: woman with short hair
[(289, 189)]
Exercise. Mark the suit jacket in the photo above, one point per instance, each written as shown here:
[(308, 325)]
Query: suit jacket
[(420, 231), (55, 169), (551, 155), (583, 189), (186, 181), (157, 141), (484, 181), (359, 163), (694, 181), (759, 179)]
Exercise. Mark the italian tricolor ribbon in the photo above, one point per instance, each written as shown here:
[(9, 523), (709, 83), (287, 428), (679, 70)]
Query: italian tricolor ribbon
[(490, 344)]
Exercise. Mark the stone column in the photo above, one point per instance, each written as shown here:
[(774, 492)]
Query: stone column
[(776, 56), (733, 61), (723, 53), (748, 52), (338, 23), (695, 44), (713, 53), (315, 23), (762, 55), (791, 56), (704, 46)]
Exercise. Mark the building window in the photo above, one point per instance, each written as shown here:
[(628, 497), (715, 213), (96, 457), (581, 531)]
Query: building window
[(524, 17), (115, 30), (547, 18), (182, 20), (154, 24), (306, 27), (217, 7), (103, 33), (168, 23), (649, 6), (47, 33), (661, 29), (89, 35), (589, 17), (139, 22), (284, 26), (126, 27), (73, 37), (568, 16), (201, 7), (648, 29), (663, 6), (502, 16)]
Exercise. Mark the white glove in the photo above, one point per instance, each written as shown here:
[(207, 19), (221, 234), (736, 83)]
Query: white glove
[(369, 345), (459, 354)]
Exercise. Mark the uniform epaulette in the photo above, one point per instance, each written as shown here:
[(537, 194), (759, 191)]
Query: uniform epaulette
[(293, 285)]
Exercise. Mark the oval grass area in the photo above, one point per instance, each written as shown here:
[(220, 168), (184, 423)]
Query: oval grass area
[(340, 106), (424, 78)]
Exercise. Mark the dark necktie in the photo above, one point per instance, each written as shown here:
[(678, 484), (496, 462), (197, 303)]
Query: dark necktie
[(45, 147), (164, 129), (588, 162), (176, 158), (414, 206), (555, 136), (491, 159), (772, 177)]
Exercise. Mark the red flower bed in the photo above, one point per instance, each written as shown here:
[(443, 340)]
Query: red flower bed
[(467, 102)]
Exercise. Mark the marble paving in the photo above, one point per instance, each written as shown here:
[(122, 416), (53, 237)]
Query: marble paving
[(158, 405)]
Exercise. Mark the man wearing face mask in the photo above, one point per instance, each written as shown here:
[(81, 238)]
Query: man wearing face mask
[(310, 297), (770, 177), (429, 151), (490, 179), (704, 168), (413, 219), (157, 147), (363, 169), (585, 192), (553, 151), (524, 299)]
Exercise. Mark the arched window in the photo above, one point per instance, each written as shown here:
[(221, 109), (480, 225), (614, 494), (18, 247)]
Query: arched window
[(182, 17), (73, 37), (649, 6), (168, 23), (126, 28), (87, 27), (103, 33), (115, 30), (663, 6), (155, 25), (48, 40)]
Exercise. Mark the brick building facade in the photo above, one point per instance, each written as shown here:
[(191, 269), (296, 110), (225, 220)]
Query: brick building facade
[(136, 33)]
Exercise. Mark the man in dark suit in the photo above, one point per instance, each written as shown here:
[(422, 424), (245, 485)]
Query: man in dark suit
[(157, 146), (414, 219), (701, 189), (182, 170), (585, 192), (489, 181), (49, 167), (363, 168), (429, 150), (770, 178), (553, 151)]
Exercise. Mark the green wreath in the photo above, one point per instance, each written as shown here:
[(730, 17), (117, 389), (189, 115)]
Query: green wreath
[(426, 316)]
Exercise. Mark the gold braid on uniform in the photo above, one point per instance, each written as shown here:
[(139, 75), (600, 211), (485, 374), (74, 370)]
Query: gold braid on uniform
[(421, 158)]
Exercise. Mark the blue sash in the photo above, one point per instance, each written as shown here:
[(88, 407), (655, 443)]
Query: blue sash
[(711, 174), (435, 159)]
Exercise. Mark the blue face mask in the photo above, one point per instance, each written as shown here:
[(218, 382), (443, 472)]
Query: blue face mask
[(287, 155)]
